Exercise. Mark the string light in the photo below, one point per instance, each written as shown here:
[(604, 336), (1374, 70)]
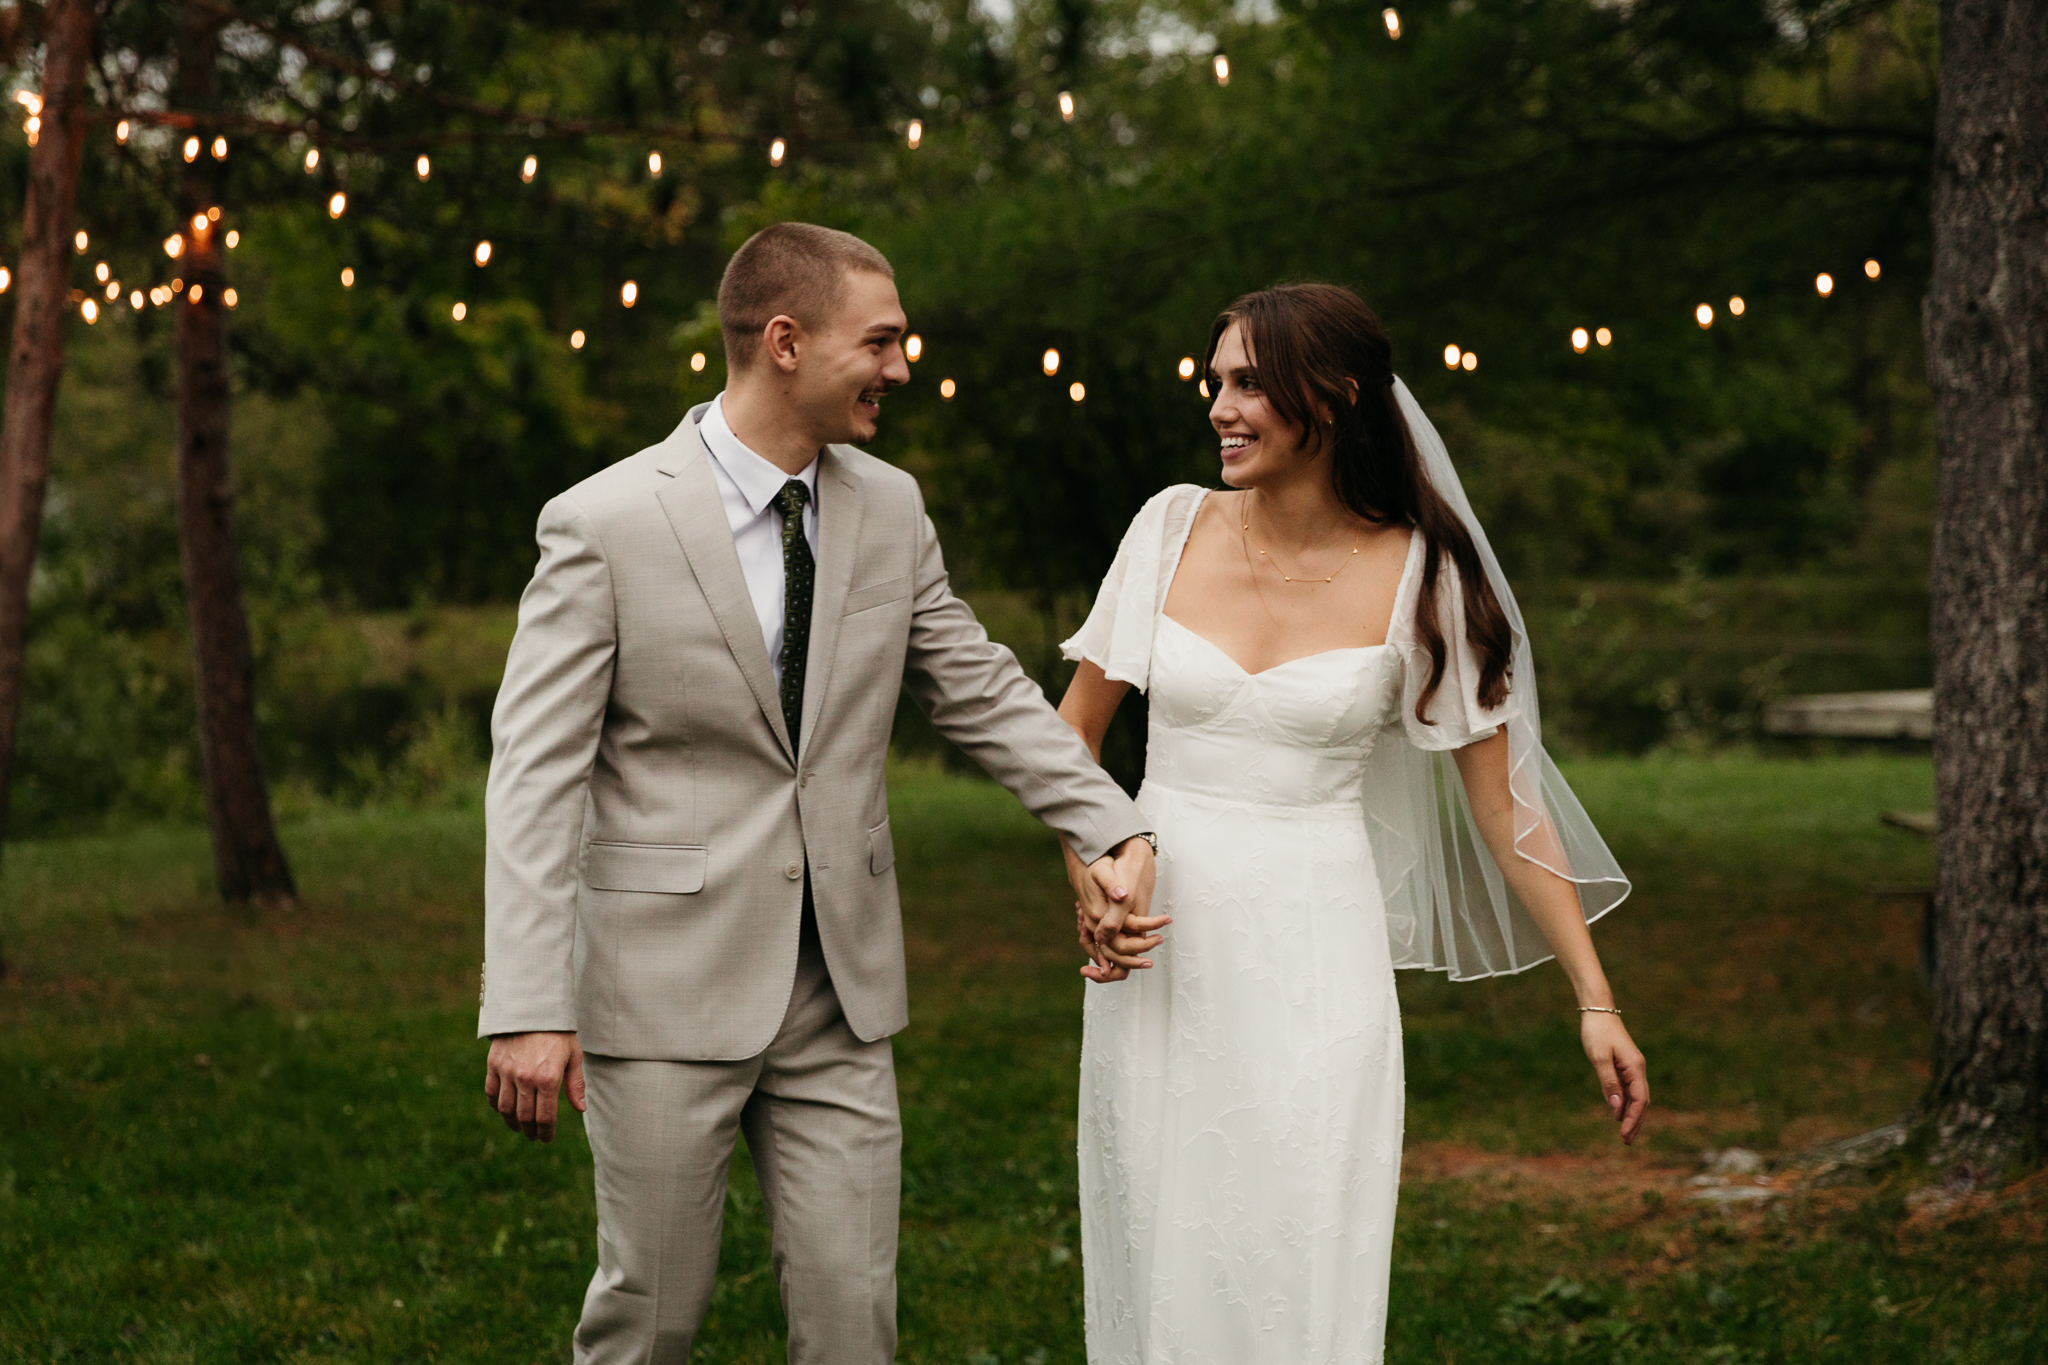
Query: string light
[(776, 151), (191, 149), (234, 239), (1451, 354), (461, 311), (230, 298), (198, 293), (33, 128), (1468, 361), (121, 132), (629, 293), (576, 339), (220, 149), (654, 163), (1392, 20), (178, 285), (483, 253), (348, 277), (915, 133), (1704, 315), (1051, 361), (80, 241), (113, 290), (1067, 105), (337, 205), (1203, 388), (100, 272), (1077, 391), (174, 246), (6, 279), (1579, 340), (135, 300), (1736, 307), (1604, 337), (528, 169), (200, 222), (1222, 66), (1186, 368), (1823, 284), (913, 347), (1871, 269), (312, 159), (947, 389), (29, 100), (697, 362), (90, 310), (423, 167)]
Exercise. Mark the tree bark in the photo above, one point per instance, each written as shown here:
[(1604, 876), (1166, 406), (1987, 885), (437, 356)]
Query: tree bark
[(1986, 322), (249, 862), (36, 360)]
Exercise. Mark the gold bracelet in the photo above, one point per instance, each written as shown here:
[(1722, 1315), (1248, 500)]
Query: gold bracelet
[(1597, 1009)]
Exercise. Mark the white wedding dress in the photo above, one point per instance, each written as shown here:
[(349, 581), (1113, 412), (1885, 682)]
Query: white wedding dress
[(1241, 1102)]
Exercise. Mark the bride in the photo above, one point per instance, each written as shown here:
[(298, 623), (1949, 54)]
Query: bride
[(1346, 775)]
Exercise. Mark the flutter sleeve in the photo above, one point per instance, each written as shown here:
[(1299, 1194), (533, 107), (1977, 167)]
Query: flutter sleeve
[(1454, 716), (1117, 636)]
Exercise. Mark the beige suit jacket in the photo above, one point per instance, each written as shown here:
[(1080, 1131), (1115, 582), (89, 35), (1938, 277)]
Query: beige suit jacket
[(648, 825)]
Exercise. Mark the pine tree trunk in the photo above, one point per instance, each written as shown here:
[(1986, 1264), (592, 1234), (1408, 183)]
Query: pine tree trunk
[(36, 361), (1987, 349), (248, 860)]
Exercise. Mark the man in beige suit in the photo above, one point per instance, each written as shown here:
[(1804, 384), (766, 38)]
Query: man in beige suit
[(690, 910)]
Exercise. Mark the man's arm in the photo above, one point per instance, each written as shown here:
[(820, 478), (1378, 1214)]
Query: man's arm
[(980, 698), (544, 733)]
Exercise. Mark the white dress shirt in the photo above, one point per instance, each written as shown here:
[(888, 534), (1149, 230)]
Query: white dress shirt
[(747, 485)]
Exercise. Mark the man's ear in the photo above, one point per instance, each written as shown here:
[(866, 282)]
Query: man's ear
[(779, 341)]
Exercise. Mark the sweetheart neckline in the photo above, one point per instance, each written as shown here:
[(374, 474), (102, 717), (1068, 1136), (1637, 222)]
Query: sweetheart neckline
[(1225, 655)]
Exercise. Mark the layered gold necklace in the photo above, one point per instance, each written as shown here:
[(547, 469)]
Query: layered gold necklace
[(1284, 575)]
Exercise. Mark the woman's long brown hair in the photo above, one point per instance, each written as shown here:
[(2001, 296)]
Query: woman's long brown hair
[(1310, 343)]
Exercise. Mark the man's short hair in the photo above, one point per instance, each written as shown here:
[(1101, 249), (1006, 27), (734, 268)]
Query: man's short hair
[(793, 269)]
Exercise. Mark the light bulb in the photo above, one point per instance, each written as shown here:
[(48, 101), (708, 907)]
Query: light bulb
[(654, 163), (423, 167), (576, 339), (1579, 339), (1871, 269), (348, 277), (174, 246), (915, 134), (1468, 361), (1222, 66), (528, 169), (337, 205), (697, 362), (6, 279), (629, 293), (1393, 22), (461, 311), (1603, 336), (1451, 354), (191, 149), (913, 347), (1704, 315), (312, 159), (1051, 361), (1067, 105), (220, 149), (1077, 391), (234, 239), (1823, 284), (101, 273), (121, 132), (135, 300), (947, 389), (776, 151), (80, 241), (230, 297), (90, 311), (483, 253), (1186, 368), (1736, 307)]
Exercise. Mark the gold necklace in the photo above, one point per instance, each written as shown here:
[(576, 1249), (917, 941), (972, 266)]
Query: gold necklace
[(1285, 577)]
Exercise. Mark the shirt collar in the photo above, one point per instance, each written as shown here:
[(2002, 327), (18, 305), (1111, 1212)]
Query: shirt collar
[(757, 479)]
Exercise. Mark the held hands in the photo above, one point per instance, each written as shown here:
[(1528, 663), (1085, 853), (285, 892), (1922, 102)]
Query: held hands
[(1624, 1079), (1113, 893), (524, 1074)]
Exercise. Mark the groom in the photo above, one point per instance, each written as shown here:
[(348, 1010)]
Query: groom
[(690, 908)]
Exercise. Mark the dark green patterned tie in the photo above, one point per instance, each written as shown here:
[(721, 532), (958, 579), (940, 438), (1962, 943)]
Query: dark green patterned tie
[(799, 576)]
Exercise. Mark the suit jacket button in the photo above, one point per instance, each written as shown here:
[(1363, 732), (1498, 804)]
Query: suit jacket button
[(804, 781), (793, 871)]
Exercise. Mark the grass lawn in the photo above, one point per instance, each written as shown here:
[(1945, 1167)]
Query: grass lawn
[(249, 1137)]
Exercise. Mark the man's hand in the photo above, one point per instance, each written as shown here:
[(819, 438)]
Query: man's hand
[(523, 1077)]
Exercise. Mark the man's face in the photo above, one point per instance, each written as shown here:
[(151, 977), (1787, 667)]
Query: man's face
[(845, 367)]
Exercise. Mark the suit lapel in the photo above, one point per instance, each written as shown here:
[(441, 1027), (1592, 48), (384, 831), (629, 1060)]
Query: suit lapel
[(697, 516), (841, 508)]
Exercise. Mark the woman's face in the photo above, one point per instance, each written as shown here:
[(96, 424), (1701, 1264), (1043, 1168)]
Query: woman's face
[(1258, 443)]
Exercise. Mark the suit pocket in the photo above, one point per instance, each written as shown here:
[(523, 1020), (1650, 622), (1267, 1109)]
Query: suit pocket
[(881, 851), (665, 869), (876, 595)]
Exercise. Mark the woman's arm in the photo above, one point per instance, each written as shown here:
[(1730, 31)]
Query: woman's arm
[(1553, 903), (1090, 703)]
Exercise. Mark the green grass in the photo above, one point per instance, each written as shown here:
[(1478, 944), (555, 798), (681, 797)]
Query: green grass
[(248, 1137)]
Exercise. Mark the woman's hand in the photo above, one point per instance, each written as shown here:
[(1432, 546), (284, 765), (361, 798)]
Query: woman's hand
[(1618, 1062), (1118, 958)]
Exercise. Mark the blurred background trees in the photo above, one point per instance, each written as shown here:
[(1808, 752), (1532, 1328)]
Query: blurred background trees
[(1697, 517)]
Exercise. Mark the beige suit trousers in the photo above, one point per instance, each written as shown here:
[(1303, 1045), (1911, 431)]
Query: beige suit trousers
[(819, 1111)]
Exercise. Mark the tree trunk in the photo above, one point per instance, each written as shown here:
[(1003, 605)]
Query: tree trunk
[(37, 358), (248, 860), (1987, 350)]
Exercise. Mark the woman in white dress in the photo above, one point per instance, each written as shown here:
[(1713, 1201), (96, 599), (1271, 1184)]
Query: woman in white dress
[(1345, 774)]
